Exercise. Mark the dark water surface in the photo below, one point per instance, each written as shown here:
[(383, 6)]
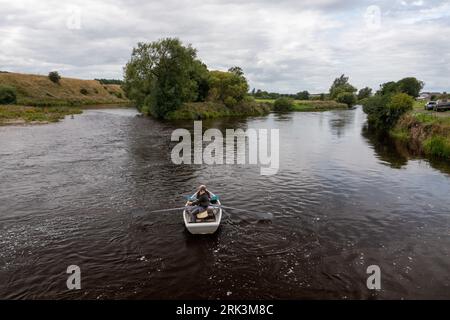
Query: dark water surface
[(79, 191)]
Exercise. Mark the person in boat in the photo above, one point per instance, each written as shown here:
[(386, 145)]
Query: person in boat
[(201, 202)]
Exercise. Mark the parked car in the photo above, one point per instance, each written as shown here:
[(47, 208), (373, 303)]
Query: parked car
[(442, 105), (430, 105)]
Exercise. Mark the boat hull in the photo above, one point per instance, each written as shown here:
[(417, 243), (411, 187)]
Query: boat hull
[(203, 227)]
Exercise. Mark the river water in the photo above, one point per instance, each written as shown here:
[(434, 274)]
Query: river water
[(79, 192)]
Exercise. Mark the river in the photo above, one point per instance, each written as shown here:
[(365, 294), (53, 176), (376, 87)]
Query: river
[(79, 192)]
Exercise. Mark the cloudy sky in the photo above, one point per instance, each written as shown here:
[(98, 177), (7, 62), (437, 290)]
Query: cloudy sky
[(284, 45)]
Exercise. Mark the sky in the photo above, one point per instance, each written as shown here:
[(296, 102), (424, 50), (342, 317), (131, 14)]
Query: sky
[(283, 46)]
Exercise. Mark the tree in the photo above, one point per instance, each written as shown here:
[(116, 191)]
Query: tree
[(283, 104), (341, 85), (383, 111), (348, 98), (410, 86), (226, 85), (388, 88), (303, 95), (237, 71), (162, 75), (364, 93), (54, 76)]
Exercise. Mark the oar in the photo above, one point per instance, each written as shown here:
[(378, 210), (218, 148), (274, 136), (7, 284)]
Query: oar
[(266, 215), (171, 209)]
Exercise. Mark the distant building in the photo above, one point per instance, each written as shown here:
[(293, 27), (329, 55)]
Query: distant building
[(427, 95)]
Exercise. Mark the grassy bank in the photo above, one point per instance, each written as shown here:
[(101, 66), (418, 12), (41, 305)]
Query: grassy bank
[(208, 110), (13, 114), (429, 133), (311, 105), (37, 90)]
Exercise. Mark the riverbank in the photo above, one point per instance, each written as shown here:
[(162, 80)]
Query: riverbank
[(209, 110), (428, 133), (311, 105), (13, 114), (38, 90)]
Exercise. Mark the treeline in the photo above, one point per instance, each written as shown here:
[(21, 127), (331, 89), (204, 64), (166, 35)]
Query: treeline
[(163, 75), (303, 95), (340, 91)]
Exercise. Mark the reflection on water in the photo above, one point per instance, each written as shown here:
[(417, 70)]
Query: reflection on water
[(80, 191), (388, 150)]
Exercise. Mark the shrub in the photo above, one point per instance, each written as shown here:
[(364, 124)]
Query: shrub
[(84, 91), (7, 95), (54, 76), (283, 104), (383, 111), (399, 104), (346, 97), (230, 102)]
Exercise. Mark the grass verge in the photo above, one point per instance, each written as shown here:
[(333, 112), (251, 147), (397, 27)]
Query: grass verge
[(13, 114), (430, 132)]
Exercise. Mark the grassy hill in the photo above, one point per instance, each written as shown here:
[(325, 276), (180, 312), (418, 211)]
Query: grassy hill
[(36, 90)]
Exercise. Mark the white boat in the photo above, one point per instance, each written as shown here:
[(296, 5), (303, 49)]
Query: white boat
[(208, 225)]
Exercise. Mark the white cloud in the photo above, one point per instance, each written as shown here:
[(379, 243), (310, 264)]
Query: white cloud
[(285, 46)]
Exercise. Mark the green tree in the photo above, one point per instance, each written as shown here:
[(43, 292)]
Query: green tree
[(226, 85), (164, 74), (348, 98), (237, 71), (364, 93), (383, 111), (283, 104), (54, 76), (341, 85), (410, 86), (302, 95), (388, 88)]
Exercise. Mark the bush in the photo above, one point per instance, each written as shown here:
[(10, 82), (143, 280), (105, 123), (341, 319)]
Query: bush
[(283, 104), (400, 103), (383, 111), (346, 97), (230, 102), (7, 95), (54, 76), (84, 91)]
